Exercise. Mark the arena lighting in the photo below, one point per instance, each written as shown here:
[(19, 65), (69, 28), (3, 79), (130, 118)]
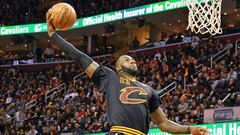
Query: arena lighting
[(231, 25), (101, 18)]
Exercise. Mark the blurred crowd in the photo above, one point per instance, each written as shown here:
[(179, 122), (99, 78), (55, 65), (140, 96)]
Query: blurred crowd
[(50, 54), (15, 12), (80, 106), (47, 54)]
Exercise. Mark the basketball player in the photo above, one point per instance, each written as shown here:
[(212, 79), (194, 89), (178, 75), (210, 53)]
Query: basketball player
[(130, 103)]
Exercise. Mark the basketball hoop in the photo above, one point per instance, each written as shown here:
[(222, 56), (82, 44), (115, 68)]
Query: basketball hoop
[(204, 16)]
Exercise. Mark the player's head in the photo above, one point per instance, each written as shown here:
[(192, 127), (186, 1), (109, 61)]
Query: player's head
[(126, 64)]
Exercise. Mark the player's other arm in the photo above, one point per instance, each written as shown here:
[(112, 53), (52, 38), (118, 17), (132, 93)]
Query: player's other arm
[(85, 61), (171, 127), (166, 125)]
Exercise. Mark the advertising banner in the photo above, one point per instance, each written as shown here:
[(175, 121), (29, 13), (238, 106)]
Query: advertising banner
[(101, 18), (222, 114)]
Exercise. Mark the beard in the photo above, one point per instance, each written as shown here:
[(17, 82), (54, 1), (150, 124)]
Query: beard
[(130, 71)]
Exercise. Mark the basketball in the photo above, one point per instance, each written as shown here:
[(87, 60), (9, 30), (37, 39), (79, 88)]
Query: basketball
[(64, 16)]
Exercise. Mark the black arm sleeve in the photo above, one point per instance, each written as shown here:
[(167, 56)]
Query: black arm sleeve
[(73, 52)]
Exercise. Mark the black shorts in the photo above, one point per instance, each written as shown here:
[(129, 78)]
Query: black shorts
[(114, 133)]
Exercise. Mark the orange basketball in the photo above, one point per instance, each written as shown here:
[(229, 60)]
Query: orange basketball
[(64, 16)]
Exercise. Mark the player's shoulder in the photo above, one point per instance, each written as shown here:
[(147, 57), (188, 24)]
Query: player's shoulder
[(146, 86), (106, 70)]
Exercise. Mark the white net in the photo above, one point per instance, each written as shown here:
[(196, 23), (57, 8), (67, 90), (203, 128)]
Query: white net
[(204, 16)]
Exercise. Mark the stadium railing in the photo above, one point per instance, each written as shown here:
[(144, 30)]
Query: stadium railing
[(198, 69), (228, 95), (146, 51), (60, 88), (167, 89), (218, 56), (75, 79), (30, 104), (49, 94)]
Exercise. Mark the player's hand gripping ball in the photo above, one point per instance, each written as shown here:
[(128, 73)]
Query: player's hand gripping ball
[(62, 15)]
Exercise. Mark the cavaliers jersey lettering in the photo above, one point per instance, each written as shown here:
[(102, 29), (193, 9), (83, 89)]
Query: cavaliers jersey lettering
[(129, 103)]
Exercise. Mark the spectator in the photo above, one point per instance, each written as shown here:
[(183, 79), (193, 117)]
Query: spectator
[(48, 53), (39, 54), (238, 100), (135, 43), (81, 108)]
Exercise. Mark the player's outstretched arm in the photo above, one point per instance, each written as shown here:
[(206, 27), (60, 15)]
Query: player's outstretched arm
[(171, 127), (85, 61)]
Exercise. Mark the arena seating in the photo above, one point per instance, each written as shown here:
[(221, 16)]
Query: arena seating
[(79, 106)]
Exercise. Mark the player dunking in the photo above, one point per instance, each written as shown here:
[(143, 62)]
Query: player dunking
[(130, 103)]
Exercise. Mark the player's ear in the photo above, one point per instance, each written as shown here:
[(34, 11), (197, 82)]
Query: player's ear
[(118, 68), (117, 65)]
